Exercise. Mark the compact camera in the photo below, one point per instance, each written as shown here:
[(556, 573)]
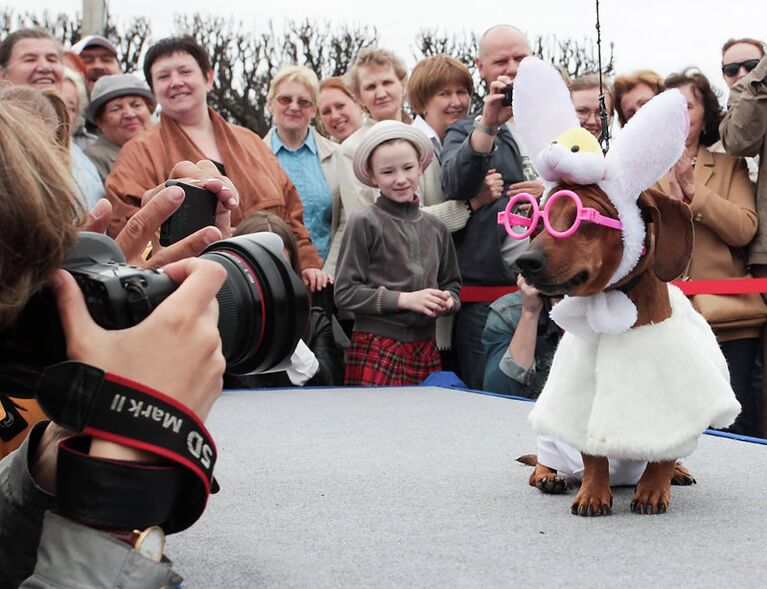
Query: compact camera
[(508, 95)]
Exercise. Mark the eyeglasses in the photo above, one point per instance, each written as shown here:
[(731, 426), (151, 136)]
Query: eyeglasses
[(731, 69), (299, 100), (512, 220)]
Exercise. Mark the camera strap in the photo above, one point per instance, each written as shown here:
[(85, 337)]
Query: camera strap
[(109, 407)]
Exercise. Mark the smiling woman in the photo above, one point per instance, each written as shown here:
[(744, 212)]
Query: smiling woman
[(121, 107), (305, 155), (179, 72), (339, 114)]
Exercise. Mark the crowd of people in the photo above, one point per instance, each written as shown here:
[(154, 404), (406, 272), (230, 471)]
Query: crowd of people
[(385, 191)]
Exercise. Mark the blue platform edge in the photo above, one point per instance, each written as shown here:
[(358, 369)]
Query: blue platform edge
[(450, 380)]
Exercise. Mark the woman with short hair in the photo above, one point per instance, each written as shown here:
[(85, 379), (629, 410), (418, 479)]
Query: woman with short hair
[(180, 74), (338, 113), (633, 90), (305, 155), (121, 107)]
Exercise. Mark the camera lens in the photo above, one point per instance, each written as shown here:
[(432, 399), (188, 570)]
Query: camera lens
[(263, 305)]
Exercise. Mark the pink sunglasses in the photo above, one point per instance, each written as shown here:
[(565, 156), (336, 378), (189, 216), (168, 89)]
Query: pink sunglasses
[(512, 220)]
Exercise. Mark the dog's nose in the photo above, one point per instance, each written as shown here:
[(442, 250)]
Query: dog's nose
[(531, 263)]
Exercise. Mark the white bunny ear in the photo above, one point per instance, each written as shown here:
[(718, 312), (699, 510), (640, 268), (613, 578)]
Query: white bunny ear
[(542, 105), (650, 143)]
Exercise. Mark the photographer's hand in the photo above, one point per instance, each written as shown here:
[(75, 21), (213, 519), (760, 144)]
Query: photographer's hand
[(145, 224), (204, 174), (494, 114), (175, 350)]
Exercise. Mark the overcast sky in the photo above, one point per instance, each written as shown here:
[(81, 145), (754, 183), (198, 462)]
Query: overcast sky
[(665, 35)]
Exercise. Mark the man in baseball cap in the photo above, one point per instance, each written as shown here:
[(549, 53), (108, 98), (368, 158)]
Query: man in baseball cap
[(99, 56)]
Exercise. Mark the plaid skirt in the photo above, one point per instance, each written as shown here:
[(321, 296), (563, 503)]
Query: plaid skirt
[(374, 360)]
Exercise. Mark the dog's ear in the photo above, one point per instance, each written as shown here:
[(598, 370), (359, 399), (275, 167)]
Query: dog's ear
[(671, 224)]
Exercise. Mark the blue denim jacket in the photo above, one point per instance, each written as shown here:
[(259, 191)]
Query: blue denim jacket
[(502, 374)]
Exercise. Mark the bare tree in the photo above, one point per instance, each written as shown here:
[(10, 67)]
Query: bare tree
[(64, 27), (245, 62), (576, 57), (130, 40)]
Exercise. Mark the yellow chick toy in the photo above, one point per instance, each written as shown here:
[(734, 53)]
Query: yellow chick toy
[(573, 157)]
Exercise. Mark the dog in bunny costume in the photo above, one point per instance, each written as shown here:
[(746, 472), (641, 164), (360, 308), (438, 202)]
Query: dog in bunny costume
[(638, 373)]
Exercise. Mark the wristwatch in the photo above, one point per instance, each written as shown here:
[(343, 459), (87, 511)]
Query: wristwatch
[(149, 543), (486, 129)]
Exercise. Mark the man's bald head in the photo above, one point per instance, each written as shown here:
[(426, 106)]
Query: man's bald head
[(501, 49)]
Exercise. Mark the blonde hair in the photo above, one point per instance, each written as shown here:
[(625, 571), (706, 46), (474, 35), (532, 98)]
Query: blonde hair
[(590, 82), (628, 82), (299, 74), (76, 79), (373, 56), (338, 83), (46, 106), (38, 208), (431, 74)]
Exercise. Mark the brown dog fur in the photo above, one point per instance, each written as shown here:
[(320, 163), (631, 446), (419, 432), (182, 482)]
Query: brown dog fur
[(582, 265)]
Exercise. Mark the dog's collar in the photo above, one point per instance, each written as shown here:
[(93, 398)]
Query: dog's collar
[(628, 286)]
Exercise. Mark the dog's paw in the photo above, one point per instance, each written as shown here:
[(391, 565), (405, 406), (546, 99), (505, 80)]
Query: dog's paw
[(589, 504), (546, 480), (682, 476), (650, 502), (555, 485)]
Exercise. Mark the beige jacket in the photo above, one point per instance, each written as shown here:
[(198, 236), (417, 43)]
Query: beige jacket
[(744, 132), (326, 150), (724, 221)]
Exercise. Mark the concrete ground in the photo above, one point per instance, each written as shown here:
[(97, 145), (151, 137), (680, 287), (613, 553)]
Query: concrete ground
[(419, 487)]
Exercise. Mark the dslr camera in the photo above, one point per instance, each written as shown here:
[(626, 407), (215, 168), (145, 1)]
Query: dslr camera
[(263, 307)]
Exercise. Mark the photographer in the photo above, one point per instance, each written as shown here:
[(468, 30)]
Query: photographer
[(472, 147), (180, 333)]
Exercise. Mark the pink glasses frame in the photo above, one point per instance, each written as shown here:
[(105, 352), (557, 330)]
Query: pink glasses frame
[(510, 220)]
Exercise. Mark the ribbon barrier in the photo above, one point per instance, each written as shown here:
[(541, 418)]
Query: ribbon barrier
[(731, 286)]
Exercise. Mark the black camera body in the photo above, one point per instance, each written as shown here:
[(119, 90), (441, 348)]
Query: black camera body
[(508, 95), (117, 294), (263, 307)]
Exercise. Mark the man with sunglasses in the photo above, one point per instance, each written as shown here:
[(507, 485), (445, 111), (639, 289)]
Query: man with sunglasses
[(744, 128)]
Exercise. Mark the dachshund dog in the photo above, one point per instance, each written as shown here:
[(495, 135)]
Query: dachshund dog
[(581, 266), (638, 374)]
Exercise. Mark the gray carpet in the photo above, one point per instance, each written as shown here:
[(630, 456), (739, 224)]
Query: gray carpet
[(419, 487)]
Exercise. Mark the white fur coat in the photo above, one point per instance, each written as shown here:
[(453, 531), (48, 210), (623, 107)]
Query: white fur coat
[(645, 394)]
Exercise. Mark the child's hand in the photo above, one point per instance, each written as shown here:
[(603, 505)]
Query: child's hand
[(449, 303), (429, 301)]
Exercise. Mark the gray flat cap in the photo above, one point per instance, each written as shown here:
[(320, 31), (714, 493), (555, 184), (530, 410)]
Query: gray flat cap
[(109, 87)]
